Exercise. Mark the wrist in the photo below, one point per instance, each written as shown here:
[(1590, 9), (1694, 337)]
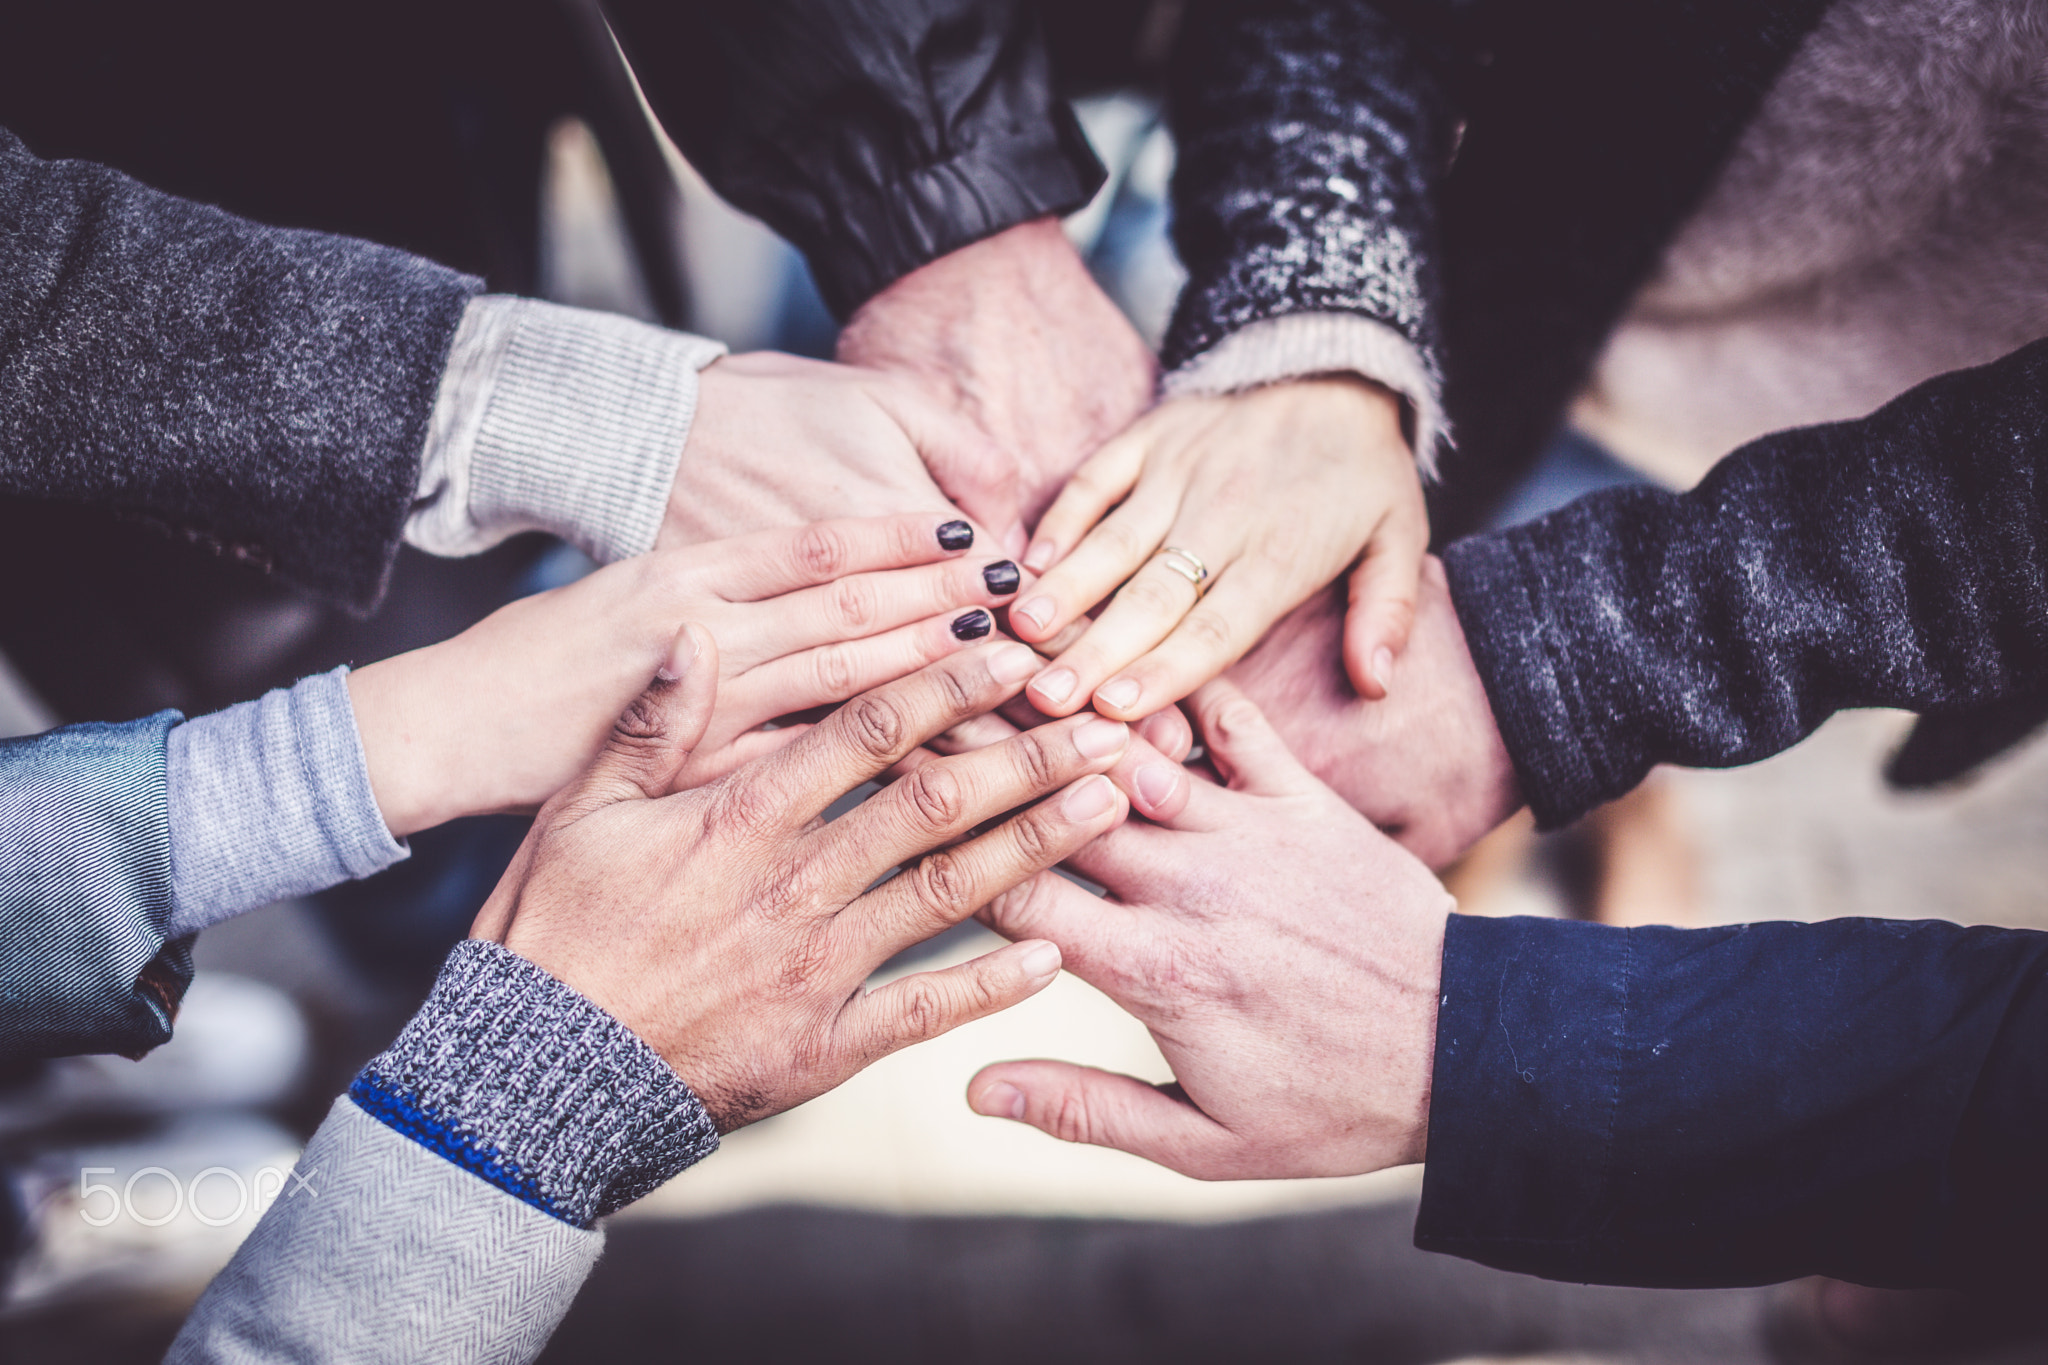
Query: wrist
[(414, 777)]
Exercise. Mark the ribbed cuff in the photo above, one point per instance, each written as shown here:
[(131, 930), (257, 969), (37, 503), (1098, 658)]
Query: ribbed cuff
[(1517, 649), (1300, 345), (520, 1080), (271, 799), (556, 419)]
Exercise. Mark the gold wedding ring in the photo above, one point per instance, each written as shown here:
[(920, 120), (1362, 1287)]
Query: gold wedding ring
[(1187, 565)]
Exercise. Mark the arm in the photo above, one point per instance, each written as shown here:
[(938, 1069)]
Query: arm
[(644, 935), (263, 390), (1900, 560), (1856, 1098), (1303, 379), (877, 138), (1693, 1108)]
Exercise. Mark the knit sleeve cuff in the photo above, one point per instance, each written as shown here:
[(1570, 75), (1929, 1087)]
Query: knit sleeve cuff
[(560, 420), (1518, 649), (528, 1085), (1302, 345), (271, 799)]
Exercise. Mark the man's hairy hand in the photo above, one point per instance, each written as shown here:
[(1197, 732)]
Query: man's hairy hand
[(1427, 764), (733, 930), (1015, 334)]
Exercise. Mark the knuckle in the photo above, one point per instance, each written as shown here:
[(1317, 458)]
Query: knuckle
[(853, 606), (743, 808), (1210, 629), (1148, 594), (804, 967), (1036, 765), (934, 796), (955, 696), (944, 887), (1070, 1119), (1120, 540), (923, 1012), (1035, 843), (875, 725), (832, 666), (820, 551)]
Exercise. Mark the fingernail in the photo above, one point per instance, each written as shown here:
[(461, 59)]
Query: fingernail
[(1041, 962), (679, 659), (1120, 693), (1038, 611), (1056, 685), (1382, 666), (1091, 798), (972, 625), (1013, 664), (955, 535), (1002, 578), (1157, 782), (1101, 738), (1001, 1101), (1039, 557)]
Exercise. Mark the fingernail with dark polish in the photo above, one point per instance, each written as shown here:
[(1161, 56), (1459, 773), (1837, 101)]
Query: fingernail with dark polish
[(1002, 579), (955, 535), (972, 625)]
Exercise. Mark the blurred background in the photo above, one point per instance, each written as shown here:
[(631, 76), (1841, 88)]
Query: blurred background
[(883, 1221)]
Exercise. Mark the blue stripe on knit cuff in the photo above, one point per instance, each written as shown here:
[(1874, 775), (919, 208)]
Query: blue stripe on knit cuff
[(403, 1114)]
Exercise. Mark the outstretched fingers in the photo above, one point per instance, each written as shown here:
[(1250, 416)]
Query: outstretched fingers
[(923, 1006), (1102, 1109)]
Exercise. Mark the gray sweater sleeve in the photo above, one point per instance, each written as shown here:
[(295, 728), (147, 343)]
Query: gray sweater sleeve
[(270, 799), (262, 391), (453, 1189), (1900, 560)]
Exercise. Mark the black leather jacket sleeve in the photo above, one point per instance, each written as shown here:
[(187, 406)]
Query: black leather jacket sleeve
[(878, 136)]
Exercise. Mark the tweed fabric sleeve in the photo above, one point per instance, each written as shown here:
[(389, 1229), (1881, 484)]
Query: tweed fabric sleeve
[(523, 1082), (1312, 140), (556, 419), (378, 1252), (85, 893), (1900, 560), (269, 799), (260, 391)]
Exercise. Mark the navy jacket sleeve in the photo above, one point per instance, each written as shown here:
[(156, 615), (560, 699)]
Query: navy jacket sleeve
[(1859, 1098), (876, 137), (260, 390), (85, 892), (1900, 560)]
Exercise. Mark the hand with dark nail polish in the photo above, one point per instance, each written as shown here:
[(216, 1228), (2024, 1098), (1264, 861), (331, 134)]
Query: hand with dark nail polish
[(1002, 578), (972, 625), (956, 535)]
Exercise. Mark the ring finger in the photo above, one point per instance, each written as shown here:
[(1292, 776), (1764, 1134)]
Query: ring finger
[(1144, 612)]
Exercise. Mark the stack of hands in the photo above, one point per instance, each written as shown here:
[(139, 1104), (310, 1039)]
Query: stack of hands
[(846, 546)]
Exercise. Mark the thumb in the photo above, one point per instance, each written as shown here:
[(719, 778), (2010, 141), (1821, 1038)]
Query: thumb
[(1243, 745), (1382, 611), (653, 737), (1103, 1109)]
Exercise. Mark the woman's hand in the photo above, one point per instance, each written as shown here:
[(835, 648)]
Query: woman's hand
[(498, 718), (1233, 511)]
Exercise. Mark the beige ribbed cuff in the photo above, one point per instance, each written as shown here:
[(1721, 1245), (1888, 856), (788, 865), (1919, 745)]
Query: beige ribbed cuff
[(1300, 345), (556, 419)]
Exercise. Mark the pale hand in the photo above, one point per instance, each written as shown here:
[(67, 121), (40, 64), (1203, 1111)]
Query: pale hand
[(1275, 492), (498, 718), (1285, 955)]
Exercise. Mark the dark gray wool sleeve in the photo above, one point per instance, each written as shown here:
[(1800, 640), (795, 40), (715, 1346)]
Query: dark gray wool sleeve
[(1900, 560), (1312, 137), (262, 391), (529, 1085)]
